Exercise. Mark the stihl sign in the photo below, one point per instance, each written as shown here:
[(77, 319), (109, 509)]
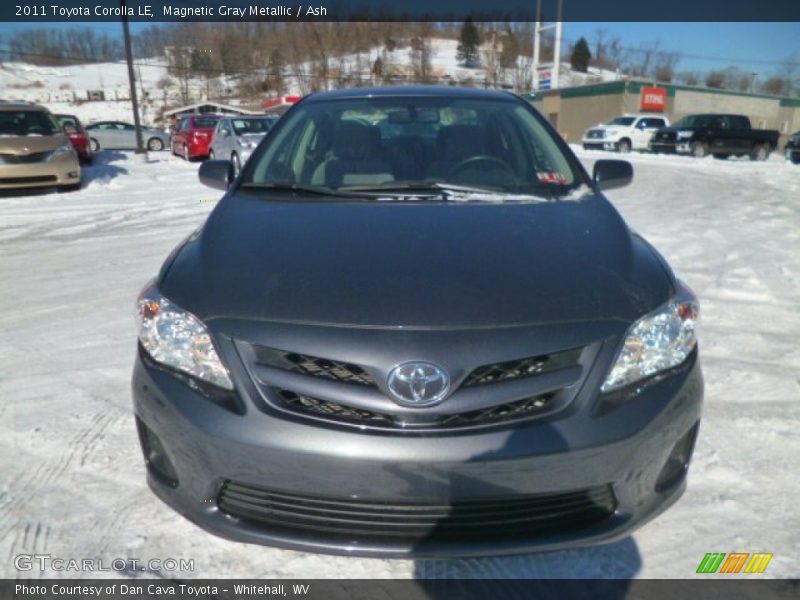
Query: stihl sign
[(654, 98)]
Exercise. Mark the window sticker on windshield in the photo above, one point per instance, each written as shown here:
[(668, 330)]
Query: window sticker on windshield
[(551, 177)]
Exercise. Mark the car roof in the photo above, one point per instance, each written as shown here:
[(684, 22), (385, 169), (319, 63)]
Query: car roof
[(9, 106), (431, 91)]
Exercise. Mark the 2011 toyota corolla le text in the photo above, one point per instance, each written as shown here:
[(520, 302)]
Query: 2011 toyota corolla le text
[(414, 326)]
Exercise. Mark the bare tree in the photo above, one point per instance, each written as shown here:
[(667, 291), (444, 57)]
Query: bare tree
[(715, 79)]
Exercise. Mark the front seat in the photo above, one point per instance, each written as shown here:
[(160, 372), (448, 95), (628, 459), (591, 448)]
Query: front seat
[(356, 159), (454, 144)]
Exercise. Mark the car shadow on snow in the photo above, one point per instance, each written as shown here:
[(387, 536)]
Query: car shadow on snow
[(612, 565), (102, 167)]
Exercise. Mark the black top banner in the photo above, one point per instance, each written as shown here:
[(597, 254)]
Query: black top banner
[(399, 10)]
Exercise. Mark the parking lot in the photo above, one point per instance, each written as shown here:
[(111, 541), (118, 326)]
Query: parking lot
[(74, 480)]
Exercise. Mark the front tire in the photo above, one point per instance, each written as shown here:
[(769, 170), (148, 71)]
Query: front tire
[(624, 146), (94, 144), (155, 144), (185, 153), (760, 152), (237, 165), (699, 149)]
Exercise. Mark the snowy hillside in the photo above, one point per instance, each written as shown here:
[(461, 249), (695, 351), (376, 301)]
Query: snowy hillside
[(67, 89)]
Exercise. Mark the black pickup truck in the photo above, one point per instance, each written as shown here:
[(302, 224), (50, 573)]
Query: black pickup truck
[(716, 134)]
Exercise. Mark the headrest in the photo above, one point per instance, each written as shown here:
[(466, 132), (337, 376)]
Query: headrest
[(356, 141)]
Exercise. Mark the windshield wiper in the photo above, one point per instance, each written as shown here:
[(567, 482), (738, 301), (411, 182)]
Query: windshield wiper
[(424, 186), (316, 190)]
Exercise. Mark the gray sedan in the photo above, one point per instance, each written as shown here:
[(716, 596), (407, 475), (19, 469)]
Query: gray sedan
[(235, 138), (118, 135)]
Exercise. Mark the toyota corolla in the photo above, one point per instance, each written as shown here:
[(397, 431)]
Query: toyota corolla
[(415, 326)]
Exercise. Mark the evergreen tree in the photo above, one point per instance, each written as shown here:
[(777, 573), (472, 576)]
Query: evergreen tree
[(469, 43), (580, 56)]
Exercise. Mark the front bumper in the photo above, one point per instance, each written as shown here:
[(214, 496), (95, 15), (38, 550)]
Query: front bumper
[(61, 171), (624, 444), (678, 147), (599, 144)]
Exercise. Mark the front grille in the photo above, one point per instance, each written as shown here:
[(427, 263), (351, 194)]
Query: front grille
[(501, 517), (524, 367), (520, 409), (664, 136), (26, 180), (596, 134), (21, 159), (312, 365)]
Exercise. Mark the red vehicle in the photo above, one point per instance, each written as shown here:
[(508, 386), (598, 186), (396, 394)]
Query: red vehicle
[(192, 138), (77, 136)]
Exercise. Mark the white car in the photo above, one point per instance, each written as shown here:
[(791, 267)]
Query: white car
[(624, 133)]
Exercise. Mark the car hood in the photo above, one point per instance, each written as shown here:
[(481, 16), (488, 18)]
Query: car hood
[(30, 144), (401, 264)]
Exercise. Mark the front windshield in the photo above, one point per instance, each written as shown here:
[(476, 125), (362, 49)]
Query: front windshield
[(404, 142), (246, 126), (27, 122), (695, 121), (623, 121)]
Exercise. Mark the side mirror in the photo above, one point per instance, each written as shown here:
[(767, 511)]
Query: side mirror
[(610, 174), (216, 174)]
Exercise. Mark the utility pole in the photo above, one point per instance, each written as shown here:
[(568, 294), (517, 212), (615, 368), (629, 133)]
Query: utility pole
[(555, 69), (131, 79)]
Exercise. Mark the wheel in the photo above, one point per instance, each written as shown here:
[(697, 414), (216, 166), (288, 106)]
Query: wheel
[(237, 165), (155, 144), (699, 149), (760, 152), (624, 146), (94, 144), (185, 152)]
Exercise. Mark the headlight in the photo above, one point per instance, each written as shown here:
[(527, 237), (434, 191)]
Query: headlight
[(682, 135), (178, 339), (658, 341), (63, 149), (611, 134)]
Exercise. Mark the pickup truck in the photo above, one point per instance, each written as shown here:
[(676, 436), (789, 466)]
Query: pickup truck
[(623, 133), (716, 134)]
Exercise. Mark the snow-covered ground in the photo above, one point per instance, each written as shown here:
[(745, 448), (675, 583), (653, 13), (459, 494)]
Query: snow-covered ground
[(72, 481)]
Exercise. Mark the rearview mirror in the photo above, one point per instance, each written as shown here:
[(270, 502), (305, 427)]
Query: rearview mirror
[(216, 174), (610, 174)]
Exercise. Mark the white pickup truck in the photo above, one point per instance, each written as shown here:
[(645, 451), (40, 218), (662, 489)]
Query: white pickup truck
[(624, 133)]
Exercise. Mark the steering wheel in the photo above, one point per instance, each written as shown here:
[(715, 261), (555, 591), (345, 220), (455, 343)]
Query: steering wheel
[(481, 158)]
